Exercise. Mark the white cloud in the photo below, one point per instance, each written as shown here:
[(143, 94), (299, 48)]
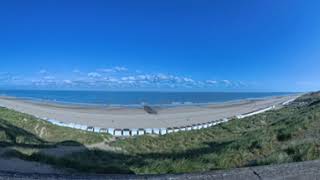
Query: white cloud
[(120, 68), (67, 81), (114, 69), (76, 71), (188, 80), (106, 70), (211, 82), (94, 75), (226, 82), (43, 71), (102, 79), (49, 77)]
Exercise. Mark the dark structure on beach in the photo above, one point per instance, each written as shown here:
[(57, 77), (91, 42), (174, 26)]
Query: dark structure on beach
[(150, 110)]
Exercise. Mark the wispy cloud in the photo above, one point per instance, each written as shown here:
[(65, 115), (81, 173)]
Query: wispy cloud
[(119, 77), (94, 75), (43, 71), (113, 69)]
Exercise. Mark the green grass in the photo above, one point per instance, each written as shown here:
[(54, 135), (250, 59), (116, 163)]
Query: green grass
[(290, 134), (20, 128)]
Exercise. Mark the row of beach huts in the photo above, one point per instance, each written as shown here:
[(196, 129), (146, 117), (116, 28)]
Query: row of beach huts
[(156, 131), (136, 131)]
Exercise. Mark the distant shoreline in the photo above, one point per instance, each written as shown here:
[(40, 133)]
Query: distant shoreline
[(99, 105)]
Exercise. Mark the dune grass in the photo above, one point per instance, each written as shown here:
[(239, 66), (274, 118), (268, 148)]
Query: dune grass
[(290, 134), (17, 127)]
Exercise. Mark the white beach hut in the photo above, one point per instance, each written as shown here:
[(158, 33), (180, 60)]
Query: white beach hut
[(169, 130), (182, 129), (71, 125), (126, 132), (205, 125), (176, 129), (148, 130), (111, 131), (239, 116), (163, 131), (53, 121), (200, 126), (118, 132), (134, 132), (103, 130), (77, 126), (218, 121), (97, 129), (156, 131), (225, 120), (141, 132), (62, 124), (194, 127), (90, 128), (188, 128), (84, 127), (65, 124)]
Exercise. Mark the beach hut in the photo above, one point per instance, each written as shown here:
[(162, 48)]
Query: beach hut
[(148, 130), (210, 124), (200, 126), (64, 124), (103, 130), (97, 129), (126, 132), (90, 128), (163, 131), (111, 131), (77, 126), (156, 131), (134, 132), (169, 130), (176, 129), (84, 127), (118, 132), (182, 129), (71, 125), (53, 121), (60, 124), (188, 128), (141, 132), (194, 127), (205, 125)]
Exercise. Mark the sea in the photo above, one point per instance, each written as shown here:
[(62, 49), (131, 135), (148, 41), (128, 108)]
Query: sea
[(110, 98)]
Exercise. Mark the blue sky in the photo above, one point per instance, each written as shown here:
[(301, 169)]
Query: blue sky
[(192, 45)]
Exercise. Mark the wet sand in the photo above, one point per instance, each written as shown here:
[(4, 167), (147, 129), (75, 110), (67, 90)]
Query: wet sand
[(125, 117)]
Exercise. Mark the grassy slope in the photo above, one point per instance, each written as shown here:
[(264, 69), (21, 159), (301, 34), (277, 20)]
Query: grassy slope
[(19, 128), (286, 135)]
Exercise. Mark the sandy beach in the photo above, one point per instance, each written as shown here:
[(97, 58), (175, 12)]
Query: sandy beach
[(122, 117)]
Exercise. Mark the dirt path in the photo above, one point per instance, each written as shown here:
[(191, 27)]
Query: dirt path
[(42, 131), (36, 128)]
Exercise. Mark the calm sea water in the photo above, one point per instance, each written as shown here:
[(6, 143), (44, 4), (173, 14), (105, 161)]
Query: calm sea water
[(133, 98)]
